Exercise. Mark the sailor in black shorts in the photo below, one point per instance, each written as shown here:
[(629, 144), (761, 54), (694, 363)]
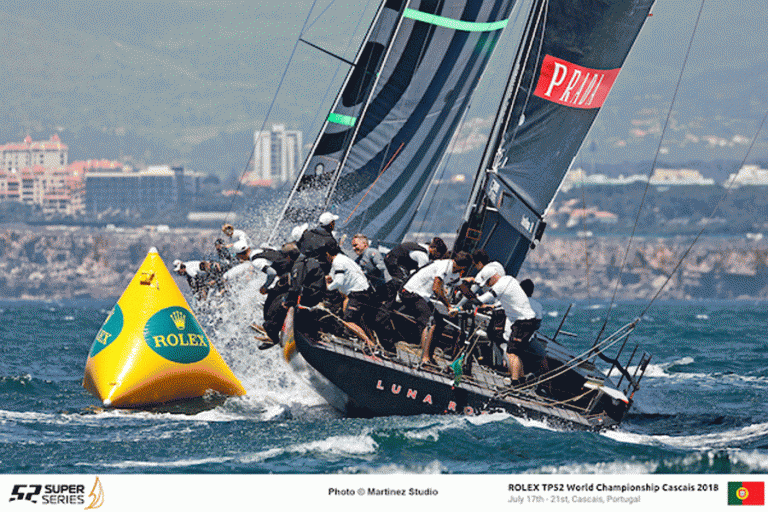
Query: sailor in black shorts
[(348, 278), (521, 321)]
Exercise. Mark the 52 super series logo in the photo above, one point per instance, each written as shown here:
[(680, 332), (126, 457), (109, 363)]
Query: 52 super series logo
[(59, 494)]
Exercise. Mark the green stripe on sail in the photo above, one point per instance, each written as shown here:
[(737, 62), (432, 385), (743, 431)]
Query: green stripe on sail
[(342, 119), (467, 26)]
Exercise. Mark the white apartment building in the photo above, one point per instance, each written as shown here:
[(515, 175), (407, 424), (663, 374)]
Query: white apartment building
[(277, 157), (749, 175), (36, 173)]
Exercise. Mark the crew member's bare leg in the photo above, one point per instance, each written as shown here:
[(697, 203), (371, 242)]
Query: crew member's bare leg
[(426, 342)]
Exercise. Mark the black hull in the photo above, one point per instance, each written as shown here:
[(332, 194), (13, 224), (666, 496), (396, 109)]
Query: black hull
[(379, 386)]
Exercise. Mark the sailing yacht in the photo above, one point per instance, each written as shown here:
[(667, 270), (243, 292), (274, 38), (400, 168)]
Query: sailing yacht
[(387, 131)]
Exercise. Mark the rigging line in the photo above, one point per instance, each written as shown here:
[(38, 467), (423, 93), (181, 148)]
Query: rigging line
[(269, 110), (544, 11), (579, 358), (727, 191), (338, 66), (653, 166), (313, 45), (321, 14), (583, 225), (394, 155), (444, 163)]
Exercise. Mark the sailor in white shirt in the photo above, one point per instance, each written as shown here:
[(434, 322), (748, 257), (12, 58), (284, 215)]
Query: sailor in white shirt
[(348, 278), (346, 275), (479, 283), (521, 320), (235, 235), (429, 284), (191, 271), (422, 282)]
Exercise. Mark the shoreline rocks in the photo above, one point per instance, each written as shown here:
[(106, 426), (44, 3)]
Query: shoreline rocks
[(59, 263)]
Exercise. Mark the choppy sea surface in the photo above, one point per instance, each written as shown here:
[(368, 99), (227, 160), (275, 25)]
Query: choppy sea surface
[(701, 408)]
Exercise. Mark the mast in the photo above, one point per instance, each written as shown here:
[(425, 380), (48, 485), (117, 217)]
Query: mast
[(570, 58), (504, 111)]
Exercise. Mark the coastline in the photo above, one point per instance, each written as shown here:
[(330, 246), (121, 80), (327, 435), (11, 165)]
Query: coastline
[(57, 263)]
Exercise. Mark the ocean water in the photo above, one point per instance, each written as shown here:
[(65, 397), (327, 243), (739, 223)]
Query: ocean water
[(701, 407)]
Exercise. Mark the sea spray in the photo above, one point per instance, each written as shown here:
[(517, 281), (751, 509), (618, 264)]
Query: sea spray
[(271, 385)]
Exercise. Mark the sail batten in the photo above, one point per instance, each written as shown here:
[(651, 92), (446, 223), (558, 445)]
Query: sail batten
[(469, 26)]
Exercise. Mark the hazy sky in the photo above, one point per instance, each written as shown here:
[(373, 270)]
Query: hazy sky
[(230, 56)]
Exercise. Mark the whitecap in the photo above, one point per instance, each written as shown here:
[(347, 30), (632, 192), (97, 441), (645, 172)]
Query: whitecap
[(429, 434), (608, 468), (756, 461), (660, 369), (702, 317), (432, 468), (134, 464), (529, 423), (339, 445), (482, 419), (715, 440), (351, 446)]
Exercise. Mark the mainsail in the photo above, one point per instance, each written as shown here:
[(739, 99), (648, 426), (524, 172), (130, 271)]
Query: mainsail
[(397, 111), (569, 58)]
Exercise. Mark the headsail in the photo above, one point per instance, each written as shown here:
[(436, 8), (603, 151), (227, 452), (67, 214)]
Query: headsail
[(571, 55), (397, 111)]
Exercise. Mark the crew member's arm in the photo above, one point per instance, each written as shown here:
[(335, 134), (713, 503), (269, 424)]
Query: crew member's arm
[(420, 257)]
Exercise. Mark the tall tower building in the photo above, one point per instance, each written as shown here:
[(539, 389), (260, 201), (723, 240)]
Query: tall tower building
[(277, 157)]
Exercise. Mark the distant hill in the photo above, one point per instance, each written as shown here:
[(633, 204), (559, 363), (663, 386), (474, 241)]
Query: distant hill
[(163, 81)]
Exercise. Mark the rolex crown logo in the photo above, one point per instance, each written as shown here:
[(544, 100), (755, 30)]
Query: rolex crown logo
[(179, 319)]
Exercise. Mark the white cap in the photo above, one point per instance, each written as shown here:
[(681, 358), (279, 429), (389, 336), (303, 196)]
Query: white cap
[(484, 282), (483, 279), (240, 246), (177, 265), (326, 218), (298, 231)]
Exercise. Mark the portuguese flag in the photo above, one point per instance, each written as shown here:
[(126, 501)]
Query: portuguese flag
[(746, 493)]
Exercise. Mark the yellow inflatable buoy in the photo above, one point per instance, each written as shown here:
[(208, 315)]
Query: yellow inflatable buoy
[(151, 349)]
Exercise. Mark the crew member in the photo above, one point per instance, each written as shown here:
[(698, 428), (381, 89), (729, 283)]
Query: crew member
[(226, 258), (348, 278), (191, 271), (427, 284), (313, 240), (520, 323), (235, 235), (371, 261), (406, 258), (212, 276), (478, 283)]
